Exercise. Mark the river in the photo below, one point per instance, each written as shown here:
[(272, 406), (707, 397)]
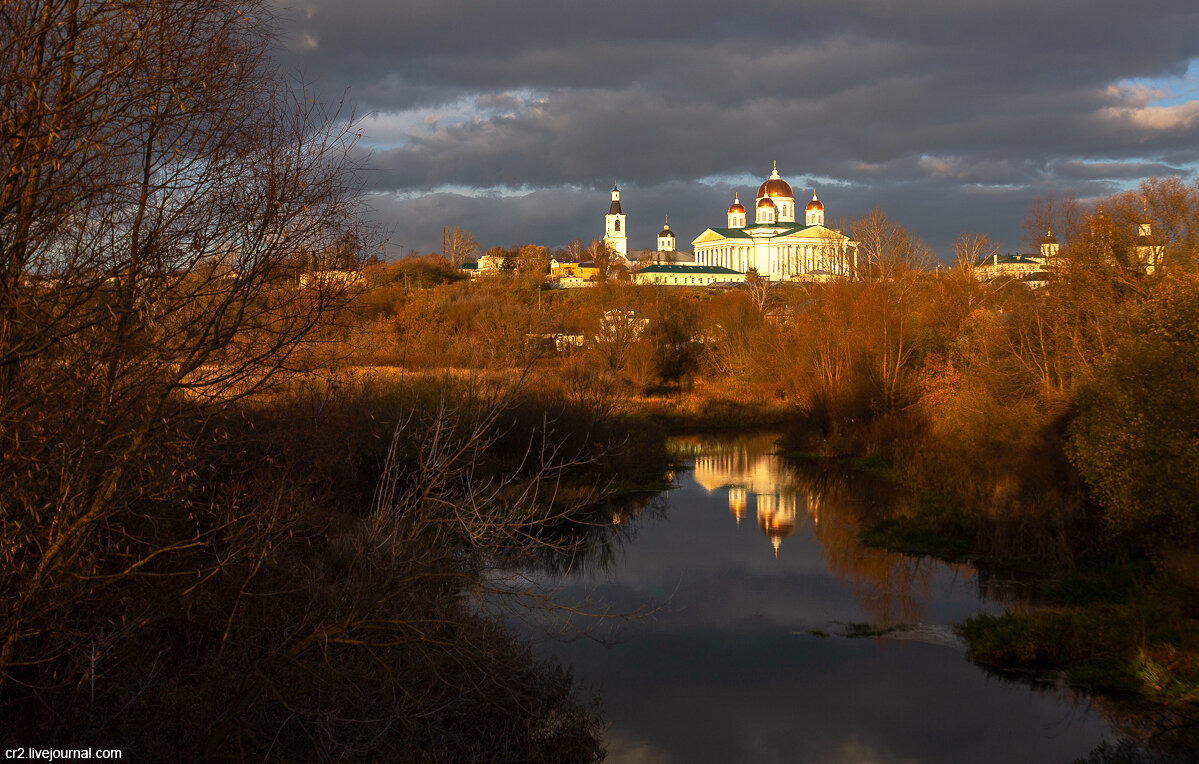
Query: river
[(744, 622)]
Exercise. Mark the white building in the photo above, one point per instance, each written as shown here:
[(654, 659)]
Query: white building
[(775, 245), (615, 233), (666, 240), (687, 275)]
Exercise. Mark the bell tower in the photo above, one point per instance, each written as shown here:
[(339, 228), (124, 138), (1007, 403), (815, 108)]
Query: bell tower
[(614, 226)]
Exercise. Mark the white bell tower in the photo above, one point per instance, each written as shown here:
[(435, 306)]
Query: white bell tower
[(614, 226)]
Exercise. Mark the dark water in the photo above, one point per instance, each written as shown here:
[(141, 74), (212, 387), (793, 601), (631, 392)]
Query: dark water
[(754, 633)]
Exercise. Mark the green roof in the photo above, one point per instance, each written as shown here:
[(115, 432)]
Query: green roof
[(715, 270), (785, 229), (1009, 259)]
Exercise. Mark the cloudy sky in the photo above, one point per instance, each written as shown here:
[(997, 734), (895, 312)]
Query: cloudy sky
[(513, 119)]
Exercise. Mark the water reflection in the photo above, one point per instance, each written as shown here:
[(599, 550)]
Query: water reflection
[(826, 503), (728, 665)]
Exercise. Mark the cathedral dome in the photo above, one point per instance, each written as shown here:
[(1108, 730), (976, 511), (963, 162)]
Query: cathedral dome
[(764, 202), (1049, 238), (815, 204), (776, 186), (736, 206)]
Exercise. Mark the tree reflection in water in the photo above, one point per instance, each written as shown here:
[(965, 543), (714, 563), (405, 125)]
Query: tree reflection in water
[(828, 503)]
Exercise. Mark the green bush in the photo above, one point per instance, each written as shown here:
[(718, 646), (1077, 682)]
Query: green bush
[(1135, 439)]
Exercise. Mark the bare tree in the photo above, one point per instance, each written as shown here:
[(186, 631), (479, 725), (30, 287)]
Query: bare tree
[(759, 289), (618, 330), (1063, 215), (893, 258), (458, 246), (576, 250), (163, 182), (601, 254), (971, 249), (886, 249)]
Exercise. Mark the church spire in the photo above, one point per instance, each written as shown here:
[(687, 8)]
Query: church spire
[(614, 225)]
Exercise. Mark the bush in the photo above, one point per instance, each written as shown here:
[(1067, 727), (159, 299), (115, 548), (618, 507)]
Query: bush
[(1136, 436)]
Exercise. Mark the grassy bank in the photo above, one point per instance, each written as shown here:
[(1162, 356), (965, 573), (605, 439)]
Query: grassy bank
[(1145, 646)]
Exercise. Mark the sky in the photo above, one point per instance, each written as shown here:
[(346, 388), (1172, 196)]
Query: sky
[(512, 120)]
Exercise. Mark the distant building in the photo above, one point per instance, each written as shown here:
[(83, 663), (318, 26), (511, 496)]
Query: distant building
[(775, 245), (323, 278), (564, 268), (666, 239), (1009, 265), (573, 273), (1148, 250), (687, 275), (615, 230)]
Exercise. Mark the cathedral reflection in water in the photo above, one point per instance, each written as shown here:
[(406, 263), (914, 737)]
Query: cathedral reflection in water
[(892, 587), (753, 476)]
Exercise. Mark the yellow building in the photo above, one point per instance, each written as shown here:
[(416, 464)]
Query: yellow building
[(586, 270)]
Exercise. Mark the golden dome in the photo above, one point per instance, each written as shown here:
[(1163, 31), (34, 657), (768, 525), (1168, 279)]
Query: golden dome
[(815, 204), (765, 202), (736, 206), (776, 186)]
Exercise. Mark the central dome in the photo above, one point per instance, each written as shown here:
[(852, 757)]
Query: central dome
[(776, 186)]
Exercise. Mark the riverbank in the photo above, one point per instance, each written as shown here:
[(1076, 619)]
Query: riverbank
[(1114, 620)]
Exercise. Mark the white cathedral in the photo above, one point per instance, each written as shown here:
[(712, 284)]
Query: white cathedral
[(775, 245)]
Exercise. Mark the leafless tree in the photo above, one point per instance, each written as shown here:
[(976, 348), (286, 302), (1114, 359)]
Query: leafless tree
[(970, 249), (163, 183), (759, 289), (893, 258), (458, 246), (886, 249), (576, 250), (601, 254), (1063, 215)]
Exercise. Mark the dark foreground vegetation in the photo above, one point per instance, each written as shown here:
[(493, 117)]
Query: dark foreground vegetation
[(245, 519), (216, 545)]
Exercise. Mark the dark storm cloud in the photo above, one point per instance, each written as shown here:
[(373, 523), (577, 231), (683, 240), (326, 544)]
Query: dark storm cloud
[(980, 105)]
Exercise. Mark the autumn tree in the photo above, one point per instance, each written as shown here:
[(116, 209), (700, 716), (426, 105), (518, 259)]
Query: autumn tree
[(1136, 437), (673, 331), (893, 259), (162, 181), (759, 289), (532, 260)]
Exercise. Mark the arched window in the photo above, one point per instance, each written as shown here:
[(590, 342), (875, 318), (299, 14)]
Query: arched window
[(618, 225)]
